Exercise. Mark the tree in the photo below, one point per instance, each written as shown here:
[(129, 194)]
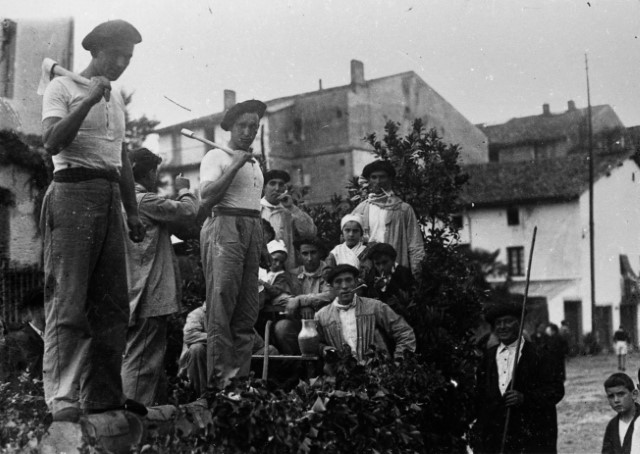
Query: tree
[(136, 129)]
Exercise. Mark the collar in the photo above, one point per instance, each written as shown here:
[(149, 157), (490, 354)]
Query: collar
[(512, 346), (265, 203), (317, 273), (39, 331), (343, 307)]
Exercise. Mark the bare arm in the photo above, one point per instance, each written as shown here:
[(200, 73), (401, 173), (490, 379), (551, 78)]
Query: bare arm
[(58, 133), (128, 195)]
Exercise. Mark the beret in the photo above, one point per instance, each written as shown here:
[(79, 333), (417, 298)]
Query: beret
[(279, 174), (276, 246), (252, 106), (381, 249), (344, 268), (111, 32), (351, 218), (497, 310), (144, 155), (313, 241), (378, 166)]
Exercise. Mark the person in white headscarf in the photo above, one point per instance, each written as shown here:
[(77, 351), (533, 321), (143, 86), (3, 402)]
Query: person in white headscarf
[(353, 249)]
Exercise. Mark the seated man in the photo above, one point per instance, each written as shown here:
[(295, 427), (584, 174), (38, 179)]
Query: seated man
[(313, 294), (26, 346), (360, 322), (388, 281), (193, 359)]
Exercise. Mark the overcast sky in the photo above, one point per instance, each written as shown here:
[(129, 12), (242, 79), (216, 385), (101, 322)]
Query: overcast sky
[(491, 59)]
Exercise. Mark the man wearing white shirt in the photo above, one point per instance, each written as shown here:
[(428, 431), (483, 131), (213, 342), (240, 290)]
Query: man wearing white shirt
[(532, 399)]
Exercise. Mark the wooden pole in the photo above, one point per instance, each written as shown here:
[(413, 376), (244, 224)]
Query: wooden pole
[(518, 344), (592, 266)]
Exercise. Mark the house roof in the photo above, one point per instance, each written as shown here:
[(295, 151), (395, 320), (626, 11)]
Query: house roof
[(546, 127), (521, 182), (277, 103)]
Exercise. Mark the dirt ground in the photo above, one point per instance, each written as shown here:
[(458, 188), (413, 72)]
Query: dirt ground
[(584, 412)]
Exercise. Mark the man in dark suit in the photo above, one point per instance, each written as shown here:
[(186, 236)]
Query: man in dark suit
[(26, 346), (532, 399)]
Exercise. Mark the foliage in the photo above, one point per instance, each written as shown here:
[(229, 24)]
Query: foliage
[(22, 414), (327, 219), (137, 129)]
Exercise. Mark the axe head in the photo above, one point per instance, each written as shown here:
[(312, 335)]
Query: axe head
[(47, 74)]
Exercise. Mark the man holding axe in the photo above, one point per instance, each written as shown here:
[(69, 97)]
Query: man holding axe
[(231, 244), (86, 298)]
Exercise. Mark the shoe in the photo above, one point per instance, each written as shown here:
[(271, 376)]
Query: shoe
[(68, 414)]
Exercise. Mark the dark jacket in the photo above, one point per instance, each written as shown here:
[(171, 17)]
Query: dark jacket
[(611, 441), (398, 291), (533, 425)]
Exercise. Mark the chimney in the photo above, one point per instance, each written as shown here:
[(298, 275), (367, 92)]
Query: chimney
[(357, 72), (229, 99), (571, 106), (545, 109)]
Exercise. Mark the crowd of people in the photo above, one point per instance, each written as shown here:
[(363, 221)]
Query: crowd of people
[(98, 331)]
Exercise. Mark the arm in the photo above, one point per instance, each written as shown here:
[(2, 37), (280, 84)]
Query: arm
[(161, 209), (302, 222), (128, 194), (216, 177), (194, 330), (397, 328), (59, 131)]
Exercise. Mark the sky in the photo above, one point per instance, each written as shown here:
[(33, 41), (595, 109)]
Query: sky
[(491, 59)]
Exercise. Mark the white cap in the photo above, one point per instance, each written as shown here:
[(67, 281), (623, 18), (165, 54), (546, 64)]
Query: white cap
[(276, 246), (351, 218)]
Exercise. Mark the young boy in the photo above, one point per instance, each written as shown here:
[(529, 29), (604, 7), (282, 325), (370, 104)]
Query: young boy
[(389, 282), (622, 395), (353, 249), (280, 284)]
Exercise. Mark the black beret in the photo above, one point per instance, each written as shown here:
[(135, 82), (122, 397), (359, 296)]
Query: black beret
[(344, 268), (252, 106), (313, 241), (497, 310), (111, 32), (279, 174), (378, 166), (378, 249), (144, 156)]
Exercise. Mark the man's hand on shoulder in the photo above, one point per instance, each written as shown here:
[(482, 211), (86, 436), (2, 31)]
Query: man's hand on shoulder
[(137, 229), (100, 86), (240, 158), (181, 183)]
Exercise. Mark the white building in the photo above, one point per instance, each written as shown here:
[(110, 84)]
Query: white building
[(505, 200)]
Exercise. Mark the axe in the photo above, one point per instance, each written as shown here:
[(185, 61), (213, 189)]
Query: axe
[(51, 68), (189, 133)]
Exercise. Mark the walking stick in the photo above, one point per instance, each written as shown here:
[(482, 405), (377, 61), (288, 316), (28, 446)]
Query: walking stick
[(515, 362)]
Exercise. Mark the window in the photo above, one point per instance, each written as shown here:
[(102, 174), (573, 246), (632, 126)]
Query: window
[(513, 217), (298, 134), (456, 221), (7, 57), (515, 261)]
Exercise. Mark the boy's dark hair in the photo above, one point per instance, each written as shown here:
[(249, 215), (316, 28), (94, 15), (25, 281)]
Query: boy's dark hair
[(313, 241), (380, 249), (619, 379), (143, 161), (268, 228)]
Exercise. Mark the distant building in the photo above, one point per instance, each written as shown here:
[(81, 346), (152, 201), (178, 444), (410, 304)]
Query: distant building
[(318, 136), (551, 135), (505, 200)]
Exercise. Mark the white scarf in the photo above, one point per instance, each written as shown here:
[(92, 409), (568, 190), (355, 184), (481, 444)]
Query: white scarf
[(345, 255)]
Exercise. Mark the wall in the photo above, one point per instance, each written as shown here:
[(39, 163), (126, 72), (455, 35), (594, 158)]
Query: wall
[(25, 245), (36, 40), (403, 98)]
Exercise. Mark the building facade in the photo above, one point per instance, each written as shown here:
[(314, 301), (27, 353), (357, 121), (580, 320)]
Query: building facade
[(318, 136), (504, 201)]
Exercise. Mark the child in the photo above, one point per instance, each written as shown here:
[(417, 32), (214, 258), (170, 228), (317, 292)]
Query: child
[(352, 250), (279, 284), (387, 281), (622, 395)]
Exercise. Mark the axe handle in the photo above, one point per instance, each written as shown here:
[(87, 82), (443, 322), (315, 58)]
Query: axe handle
[(60, 71), (191, 135)]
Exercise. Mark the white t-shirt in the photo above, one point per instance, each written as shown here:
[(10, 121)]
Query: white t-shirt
[(377, 223), (98, 144), (349, 327), (622, 430)]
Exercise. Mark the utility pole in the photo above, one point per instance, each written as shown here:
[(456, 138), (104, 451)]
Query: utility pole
[(592, 266)]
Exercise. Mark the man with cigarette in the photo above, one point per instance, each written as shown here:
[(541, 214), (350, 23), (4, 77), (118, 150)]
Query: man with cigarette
[(288, 220), (86, 302), (231, 242), (154, 279), (387, 219), (359, 322)]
